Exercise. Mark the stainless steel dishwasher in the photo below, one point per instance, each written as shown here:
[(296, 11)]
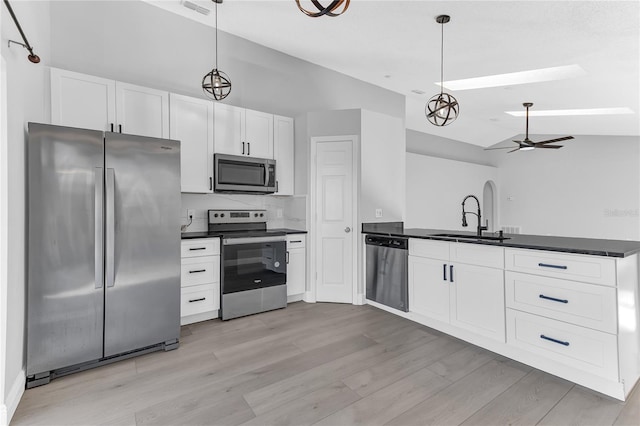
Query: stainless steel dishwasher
[(387, 271)]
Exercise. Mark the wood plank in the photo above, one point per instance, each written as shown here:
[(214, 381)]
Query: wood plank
[(383, 374), (582, 406), (456, 403), (630, 414), (524, 403), (390, 401), (462, 362), (309, 408)]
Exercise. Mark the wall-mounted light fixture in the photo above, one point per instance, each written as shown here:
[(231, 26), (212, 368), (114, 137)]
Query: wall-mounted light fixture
[(330, 10), (216, 84), (443, 108)]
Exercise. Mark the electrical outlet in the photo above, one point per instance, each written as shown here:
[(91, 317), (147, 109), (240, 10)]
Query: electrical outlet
[(190, 213), (378, 212), (278, 213)]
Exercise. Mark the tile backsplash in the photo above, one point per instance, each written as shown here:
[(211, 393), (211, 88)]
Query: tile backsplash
[(282, 212)]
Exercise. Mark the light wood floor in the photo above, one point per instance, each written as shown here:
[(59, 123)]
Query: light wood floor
[(324, 364)]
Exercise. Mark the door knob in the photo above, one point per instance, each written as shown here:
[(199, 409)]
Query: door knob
[(347, 229)]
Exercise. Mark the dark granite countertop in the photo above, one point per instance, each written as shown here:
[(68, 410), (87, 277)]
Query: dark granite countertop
[(590, 246), (207, 234)]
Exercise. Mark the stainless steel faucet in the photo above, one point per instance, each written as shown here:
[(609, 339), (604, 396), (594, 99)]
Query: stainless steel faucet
[(479, 215)]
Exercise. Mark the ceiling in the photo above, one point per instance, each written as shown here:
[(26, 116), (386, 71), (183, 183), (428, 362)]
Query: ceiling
[(396, 45)]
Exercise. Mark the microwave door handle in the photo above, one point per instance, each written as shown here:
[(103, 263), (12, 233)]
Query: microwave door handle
[(266, 175)]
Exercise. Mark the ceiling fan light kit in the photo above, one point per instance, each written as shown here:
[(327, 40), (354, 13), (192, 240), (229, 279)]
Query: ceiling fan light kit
[(330, 10), (442, 109), (216, 84), (527, 144)]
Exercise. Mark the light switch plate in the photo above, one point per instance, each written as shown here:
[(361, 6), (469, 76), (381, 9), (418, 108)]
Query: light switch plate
[(378, 212)]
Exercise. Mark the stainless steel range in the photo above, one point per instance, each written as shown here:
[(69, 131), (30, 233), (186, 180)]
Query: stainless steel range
[(253, 273)]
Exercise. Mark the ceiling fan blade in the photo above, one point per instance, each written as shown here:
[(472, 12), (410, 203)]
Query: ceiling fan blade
[(518, 142), (549, 146), (503, 147), (565, 138), (513, 150)]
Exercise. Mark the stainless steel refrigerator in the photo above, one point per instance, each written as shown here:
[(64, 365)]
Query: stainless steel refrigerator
[(103, 248)]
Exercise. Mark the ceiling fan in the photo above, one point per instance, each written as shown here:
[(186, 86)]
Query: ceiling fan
[(527, 144)]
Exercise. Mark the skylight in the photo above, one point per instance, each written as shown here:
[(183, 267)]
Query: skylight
[(513, 78), (584, 111)]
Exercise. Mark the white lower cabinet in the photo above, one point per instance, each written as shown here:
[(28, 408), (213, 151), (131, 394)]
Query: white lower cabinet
[(572, 315), (200, 280), (296, 264), (465, 295)]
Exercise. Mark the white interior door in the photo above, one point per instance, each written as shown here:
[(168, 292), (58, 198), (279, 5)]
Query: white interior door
[(334, 225)]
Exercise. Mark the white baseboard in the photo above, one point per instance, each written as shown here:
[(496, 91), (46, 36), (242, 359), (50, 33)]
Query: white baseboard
[(295, 298), (309, 297), (13, 399)]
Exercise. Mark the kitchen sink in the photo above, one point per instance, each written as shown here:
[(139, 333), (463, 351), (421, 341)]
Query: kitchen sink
[(472, 237)]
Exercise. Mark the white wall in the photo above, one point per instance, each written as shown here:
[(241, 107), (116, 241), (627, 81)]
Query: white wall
[(589, 188), (382, 161), (436, 188), (26, 84)]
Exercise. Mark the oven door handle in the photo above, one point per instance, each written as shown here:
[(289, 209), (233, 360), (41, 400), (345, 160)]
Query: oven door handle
[(252, 240)]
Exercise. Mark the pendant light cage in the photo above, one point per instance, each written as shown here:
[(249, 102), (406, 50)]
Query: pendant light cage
[(442, 109), (330, 10), (216, 84)]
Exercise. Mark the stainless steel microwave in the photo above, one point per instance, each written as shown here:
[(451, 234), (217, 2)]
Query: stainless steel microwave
[(233, 173)]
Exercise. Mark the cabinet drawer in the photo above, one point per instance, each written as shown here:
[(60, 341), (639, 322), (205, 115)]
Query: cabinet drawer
[(200, 270), (429, 248), (199, 299), (477, 254), (592, 269), (200, 247), (578, 347), (296, 241), (588, 305)]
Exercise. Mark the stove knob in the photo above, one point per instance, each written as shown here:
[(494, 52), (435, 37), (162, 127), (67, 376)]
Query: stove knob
[(255, 215), (215, 215), (221, 214), (261, 214)]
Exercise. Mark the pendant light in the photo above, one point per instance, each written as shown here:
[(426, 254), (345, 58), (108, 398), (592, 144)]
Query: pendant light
[(330, 10), (216, 84), (443, 108)]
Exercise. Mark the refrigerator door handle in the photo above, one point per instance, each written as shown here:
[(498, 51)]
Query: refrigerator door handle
[(110, 228), (99, 214)]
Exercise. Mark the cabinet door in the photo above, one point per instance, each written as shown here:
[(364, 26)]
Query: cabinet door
[(259, 134), (429, 288), (296, 271), (229, 130), (142, 111), (83, 101), (477, 300), (283, 154), (191, 122)]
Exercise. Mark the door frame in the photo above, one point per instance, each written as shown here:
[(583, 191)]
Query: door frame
[(310, 295)]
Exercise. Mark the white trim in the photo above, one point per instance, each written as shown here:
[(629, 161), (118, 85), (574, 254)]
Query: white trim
[(355, 154), (309, 296), (4, 203), (15, 394)]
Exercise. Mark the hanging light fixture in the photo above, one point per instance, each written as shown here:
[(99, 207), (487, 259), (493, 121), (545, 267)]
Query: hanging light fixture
[(216, 84), (443, 108), (330, 10)]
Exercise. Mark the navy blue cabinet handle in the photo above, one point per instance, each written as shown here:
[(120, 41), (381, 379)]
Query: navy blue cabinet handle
[(451, 273), (548, 265), (542, 336), (197, 248), (197, 300), (444, 271), (198, 270), (542, 296)]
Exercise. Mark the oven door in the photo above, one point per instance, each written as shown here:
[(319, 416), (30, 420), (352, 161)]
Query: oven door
[(252, 263)]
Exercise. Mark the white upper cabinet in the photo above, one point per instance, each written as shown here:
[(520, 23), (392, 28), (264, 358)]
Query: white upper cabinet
[(283, 154), (83, 101), (240, 131), (89, 102), (259, 134), (191, 122), (142, 111), (229, 130)]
